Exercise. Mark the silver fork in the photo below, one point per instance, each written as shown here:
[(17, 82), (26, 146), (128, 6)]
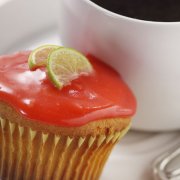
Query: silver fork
[(167, 166)]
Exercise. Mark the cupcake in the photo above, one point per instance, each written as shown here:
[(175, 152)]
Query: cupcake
[(54, 131)]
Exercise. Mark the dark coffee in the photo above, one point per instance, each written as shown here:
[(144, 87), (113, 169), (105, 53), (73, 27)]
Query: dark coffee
[(151, 10)]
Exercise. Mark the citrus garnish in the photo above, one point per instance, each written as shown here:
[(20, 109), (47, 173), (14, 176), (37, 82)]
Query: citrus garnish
[(39, 56), (65, 65)]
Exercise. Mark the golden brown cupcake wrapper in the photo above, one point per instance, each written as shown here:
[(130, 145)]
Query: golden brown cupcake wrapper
[(28, 154)]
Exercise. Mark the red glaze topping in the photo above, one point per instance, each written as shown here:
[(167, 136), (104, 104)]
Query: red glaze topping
[(100, 95)]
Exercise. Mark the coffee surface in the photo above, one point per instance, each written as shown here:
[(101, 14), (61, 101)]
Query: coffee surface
[(151, 10)]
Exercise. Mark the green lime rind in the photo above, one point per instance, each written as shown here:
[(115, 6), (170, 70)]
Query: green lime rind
[(32, 57), (65, 65), (54, 80)]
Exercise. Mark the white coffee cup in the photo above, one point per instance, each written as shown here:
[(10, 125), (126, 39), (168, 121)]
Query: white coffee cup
[(145, 53)]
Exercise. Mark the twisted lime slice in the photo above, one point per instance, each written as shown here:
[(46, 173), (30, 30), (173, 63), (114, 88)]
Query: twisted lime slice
[(65, 65), (39, 56)]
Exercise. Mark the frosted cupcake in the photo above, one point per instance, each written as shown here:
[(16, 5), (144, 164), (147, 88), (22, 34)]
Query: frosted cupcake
[(64, 133)]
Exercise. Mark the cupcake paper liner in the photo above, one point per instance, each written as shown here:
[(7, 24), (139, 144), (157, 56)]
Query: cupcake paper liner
[(26, 154)]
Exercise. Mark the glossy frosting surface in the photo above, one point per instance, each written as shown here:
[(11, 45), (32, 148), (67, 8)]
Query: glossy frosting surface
[(100, 95)]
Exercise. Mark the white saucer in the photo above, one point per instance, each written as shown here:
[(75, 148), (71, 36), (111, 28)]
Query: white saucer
[(131, 159)]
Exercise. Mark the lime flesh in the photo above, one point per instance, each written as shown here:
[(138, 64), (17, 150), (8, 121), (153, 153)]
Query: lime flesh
[(39, 56), (65, 65)]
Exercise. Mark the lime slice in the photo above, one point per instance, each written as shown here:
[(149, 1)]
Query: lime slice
[(65, 65), (39, 56)]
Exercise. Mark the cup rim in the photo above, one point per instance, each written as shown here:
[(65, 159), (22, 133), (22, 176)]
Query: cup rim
[(115, 15)]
